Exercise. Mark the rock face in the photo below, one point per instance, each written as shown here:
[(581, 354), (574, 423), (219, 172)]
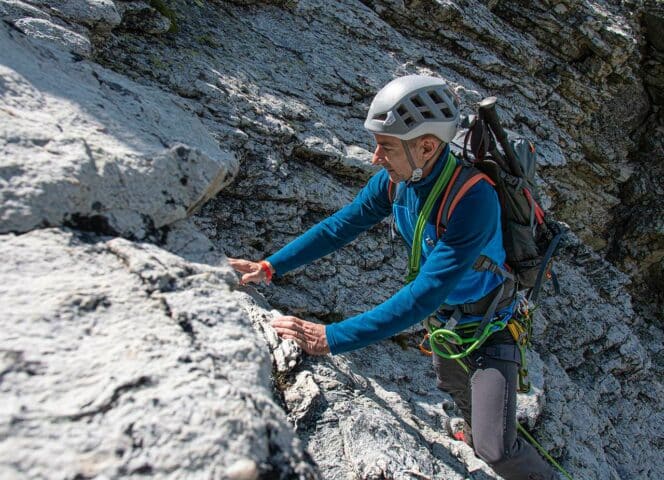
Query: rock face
[(120, 156), (121, 118), (121, 359), (638, 245)]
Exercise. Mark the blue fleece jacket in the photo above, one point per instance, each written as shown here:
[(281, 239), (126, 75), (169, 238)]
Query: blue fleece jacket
[(445, 276)]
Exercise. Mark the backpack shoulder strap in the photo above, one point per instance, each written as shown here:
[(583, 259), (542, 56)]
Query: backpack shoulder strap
[(448, 190), (465, 178), (390, 191)]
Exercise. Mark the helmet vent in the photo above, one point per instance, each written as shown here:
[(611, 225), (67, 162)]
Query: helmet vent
[(409, 121), (417, 101), (381, 117), (402, 111), (447, 112), (435, 97), (427, 113)]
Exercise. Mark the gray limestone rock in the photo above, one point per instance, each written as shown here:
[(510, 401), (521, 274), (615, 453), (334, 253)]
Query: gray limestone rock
[(45, 30), (285, 86), (98, 14), (84, 146), (286, 354), (303, 397), (394, 453), (140, 16), (14, 9), (137, 362)]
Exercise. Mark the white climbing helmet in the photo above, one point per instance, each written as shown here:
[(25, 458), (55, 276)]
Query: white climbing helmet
[(414, 105)]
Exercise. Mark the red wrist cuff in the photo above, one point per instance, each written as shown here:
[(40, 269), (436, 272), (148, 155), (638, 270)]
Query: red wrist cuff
[(268, 271)]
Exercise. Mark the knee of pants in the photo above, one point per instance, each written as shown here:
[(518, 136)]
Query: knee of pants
[(490, 449)]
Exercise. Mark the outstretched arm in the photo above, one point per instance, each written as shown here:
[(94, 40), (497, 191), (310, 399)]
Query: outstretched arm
[(471, 227), (370, 206)]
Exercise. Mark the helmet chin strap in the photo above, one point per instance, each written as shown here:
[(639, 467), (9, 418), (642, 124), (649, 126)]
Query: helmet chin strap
[(416, 176)]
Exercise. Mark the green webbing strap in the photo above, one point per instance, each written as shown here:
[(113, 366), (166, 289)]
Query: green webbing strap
[(524, 383), (436, 191)]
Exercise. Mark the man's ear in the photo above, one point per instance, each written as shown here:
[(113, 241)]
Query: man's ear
[(428, 146)]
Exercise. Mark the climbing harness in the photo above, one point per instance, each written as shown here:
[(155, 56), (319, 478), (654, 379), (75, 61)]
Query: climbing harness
[(519, 324), (439, 337)]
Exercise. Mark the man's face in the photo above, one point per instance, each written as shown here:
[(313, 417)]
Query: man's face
[(390, 155)]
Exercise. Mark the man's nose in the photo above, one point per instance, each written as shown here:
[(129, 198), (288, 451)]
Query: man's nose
[(378, 157)]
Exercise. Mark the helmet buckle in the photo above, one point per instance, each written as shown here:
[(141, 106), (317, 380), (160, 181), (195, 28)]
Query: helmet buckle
[(390, 119)]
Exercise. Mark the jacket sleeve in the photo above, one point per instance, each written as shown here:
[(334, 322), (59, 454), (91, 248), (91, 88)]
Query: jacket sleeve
[(370, 206), (469, 231)]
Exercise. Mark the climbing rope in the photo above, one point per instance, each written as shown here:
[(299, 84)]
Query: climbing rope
[(416, 248), (442, 337), (544, 453)]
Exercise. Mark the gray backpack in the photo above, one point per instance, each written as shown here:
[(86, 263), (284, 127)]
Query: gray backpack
[(529, 238)]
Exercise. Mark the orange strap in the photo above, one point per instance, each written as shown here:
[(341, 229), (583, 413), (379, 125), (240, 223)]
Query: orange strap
[(472, 181), (423, 349), (390, 191), (447, 194)]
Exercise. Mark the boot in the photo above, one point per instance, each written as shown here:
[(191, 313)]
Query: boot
[(458, 429)]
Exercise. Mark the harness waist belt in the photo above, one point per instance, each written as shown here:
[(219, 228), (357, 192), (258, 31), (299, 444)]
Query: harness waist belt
[(504, 352), (481, 306)]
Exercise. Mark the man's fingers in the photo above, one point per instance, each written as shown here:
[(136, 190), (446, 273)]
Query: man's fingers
[(254, 277), (252, 271), (296, 326), (244, 266), (303, 344), (285, 330), (288, 323), (290, 335), (309, 336)]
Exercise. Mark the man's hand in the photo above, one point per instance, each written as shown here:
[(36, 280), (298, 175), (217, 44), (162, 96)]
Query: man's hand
[(253, 272), (309, 336)]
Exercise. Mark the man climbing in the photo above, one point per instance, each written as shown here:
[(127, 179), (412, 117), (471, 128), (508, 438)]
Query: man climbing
[(413, 119)]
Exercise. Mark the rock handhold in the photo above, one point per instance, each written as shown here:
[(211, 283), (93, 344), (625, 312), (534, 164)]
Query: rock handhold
[(45, 30), (94, 354), (97, 14), (86, 147)]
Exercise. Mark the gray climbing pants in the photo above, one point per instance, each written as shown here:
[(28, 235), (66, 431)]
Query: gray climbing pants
[(487, 400)]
